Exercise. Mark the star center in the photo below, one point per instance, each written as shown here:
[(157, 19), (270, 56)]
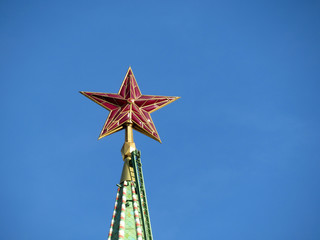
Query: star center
[(130, 100)]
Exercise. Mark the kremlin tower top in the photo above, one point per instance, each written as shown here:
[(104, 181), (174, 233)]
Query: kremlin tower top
[(129, 109)]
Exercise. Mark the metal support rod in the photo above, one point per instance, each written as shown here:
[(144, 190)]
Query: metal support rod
[(137, 166), (129, 133)]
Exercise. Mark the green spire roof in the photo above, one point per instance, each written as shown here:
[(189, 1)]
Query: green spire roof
[(126, 220), (130, 219)]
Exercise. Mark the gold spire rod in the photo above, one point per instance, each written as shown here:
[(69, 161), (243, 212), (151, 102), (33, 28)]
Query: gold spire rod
[(128, 147), (129, 133)]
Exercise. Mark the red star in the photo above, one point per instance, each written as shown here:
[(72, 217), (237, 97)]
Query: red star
[(129, 106)]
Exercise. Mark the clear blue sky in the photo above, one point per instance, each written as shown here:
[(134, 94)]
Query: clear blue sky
[(240, 156)]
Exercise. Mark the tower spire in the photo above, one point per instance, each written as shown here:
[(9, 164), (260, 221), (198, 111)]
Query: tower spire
[(129, 110)]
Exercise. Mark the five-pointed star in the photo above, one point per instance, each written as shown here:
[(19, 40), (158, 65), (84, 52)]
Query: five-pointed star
[(129, 106)]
